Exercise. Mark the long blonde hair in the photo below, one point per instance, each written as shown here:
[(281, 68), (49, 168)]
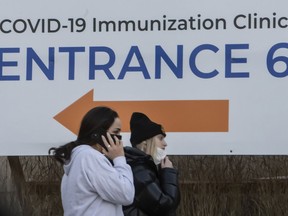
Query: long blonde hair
[(148, 146)]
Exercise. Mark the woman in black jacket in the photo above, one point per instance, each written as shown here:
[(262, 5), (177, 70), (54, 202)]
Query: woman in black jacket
[(155, 179)]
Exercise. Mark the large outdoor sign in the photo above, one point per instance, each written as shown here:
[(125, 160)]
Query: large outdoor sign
[(214, 73)]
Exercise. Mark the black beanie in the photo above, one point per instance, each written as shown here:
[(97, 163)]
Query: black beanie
[(142, 128)]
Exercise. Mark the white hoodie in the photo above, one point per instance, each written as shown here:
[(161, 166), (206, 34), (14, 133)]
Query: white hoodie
[(92, 186)]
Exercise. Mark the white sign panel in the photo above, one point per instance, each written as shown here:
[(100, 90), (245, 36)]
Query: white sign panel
[(214, 73)]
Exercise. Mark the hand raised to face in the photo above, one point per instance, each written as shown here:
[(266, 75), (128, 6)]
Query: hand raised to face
[(166, 163), (114, 147)]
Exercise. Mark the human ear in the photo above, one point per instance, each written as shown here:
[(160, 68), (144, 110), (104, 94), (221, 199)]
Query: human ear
[(144, 146)]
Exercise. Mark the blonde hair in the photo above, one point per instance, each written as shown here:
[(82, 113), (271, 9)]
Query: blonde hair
[(148, 146)]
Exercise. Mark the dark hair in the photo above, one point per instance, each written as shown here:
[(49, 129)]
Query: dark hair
[(98, 117)]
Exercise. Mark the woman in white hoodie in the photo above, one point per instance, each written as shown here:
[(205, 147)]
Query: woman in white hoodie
[(97, 179)]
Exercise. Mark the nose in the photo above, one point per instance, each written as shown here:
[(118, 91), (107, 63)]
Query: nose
[(165, 143)]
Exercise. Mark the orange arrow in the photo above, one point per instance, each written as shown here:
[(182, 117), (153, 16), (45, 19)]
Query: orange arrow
[(174, 115)]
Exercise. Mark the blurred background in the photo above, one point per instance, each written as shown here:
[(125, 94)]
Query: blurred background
[(210, 185)]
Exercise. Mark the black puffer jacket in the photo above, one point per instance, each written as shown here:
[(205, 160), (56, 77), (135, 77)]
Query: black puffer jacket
[(156, 192)]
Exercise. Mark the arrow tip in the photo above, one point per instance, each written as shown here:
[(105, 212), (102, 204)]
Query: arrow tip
[(71, 116)]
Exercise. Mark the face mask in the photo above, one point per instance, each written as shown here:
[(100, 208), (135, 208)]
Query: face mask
[(160, 155)]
